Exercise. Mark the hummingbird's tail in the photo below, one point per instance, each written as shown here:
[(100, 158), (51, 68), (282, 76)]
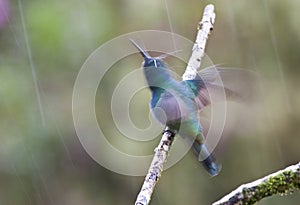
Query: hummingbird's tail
[(206, 158)]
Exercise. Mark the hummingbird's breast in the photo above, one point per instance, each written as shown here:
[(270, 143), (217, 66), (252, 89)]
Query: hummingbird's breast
[(171, 102), (171, 107), (157, 77)]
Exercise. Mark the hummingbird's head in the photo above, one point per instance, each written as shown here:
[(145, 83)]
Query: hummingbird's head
[(149, 61), (155, 70)]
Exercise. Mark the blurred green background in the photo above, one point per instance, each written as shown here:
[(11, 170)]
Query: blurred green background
[(43, 45)]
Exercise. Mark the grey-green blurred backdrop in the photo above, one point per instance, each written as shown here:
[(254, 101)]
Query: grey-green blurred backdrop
[(43, 45)]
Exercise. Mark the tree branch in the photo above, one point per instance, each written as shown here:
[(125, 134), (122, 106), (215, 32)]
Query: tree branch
[(204, 28), (282, 182), (156, 167)]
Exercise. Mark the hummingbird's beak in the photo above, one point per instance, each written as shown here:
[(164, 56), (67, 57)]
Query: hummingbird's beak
[(142, 52)]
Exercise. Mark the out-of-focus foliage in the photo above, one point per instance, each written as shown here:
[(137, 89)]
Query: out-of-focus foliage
[(41, 159)]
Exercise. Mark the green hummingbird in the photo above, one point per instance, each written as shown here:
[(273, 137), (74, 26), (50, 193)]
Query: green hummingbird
[(176, 104)]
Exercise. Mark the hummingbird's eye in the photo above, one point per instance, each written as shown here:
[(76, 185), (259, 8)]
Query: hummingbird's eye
[(155, 63), (150, 63)]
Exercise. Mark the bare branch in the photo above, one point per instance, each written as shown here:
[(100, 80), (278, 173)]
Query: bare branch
[(156, 167), (205, 26), (282, 182)]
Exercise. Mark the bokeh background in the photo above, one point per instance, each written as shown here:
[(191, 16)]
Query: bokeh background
[(43, 45)]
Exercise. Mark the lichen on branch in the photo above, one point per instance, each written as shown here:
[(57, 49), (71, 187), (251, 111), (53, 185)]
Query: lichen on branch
[(282, 182)]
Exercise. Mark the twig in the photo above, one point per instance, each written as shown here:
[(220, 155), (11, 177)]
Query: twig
[(204, 28), (282, 182), (156, 167)]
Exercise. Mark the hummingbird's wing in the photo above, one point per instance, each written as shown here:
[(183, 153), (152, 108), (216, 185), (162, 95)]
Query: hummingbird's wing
[(217, 84)]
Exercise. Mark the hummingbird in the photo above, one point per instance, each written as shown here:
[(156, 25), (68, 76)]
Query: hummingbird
[(176, 104)]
